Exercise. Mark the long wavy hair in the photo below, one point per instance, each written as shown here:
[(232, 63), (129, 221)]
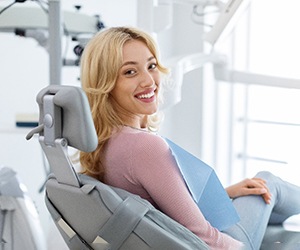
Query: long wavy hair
[(100, 65)]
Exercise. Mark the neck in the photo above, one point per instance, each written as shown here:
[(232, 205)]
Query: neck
[(136, 128), (138, 122)]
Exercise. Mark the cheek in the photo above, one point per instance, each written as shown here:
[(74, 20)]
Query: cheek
[(118, 89), (116, 94), (122, 92)]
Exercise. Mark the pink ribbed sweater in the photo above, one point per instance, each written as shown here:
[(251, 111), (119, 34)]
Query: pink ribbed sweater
[(142, 163)]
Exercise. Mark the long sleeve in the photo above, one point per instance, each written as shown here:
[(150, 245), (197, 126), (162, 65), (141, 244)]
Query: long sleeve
[(149, 169)]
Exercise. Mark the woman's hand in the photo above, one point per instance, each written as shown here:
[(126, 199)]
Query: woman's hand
[(254, 186)]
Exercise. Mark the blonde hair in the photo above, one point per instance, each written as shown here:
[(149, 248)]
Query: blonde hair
[(100, 64)]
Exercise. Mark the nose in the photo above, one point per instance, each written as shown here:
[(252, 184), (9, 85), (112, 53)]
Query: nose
[(147, 79)]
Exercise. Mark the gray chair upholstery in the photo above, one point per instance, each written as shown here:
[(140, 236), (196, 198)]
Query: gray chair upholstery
[(20, 226), (278, 238)]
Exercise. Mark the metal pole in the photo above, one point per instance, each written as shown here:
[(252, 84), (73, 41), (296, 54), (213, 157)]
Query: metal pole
[(55, 35)]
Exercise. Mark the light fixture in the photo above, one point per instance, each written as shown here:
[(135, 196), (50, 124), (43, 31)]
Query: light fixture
[(226, 20)]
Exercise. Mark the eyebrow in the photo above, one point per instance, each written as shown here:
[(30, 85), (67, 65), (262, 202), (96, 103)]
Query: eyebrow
[(134, 63)]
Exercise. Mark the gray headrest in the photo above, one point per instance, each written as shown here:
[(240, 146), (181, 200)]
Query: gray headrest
[(77, 123)]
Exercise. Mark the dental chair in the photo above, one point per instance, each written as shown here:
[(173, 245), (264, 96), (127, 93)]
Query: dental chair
[(88, 213), (20, 226), (93, 215)]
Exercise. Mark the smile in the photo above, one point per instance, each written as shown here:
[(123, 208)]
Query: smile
[(146, 96)]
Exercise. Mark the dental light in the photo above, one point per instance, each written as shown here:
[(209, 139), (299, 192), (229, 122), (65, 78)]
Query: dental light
[(47, 26), (26, 16), (226, 20)]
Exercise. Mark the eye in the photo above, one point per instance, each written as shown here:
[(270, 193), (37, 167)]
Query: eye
[(152, 66), (130, 72)]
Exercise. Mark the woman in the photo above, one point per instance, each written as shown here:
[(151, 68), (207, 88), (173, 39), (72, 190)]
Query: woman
[(120, 72)]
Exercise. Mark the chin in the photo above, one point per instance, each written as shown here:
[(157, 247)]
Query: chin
[(150, 112)]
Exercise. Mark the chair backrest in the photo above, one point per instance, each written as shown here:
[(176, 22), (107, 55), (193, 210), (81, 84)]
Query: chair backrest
[(20, 226), (88, 213)]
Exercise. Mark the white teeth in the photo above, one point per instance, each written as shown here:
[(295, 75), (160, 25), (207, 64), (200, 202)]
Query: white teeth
[(146, 96)]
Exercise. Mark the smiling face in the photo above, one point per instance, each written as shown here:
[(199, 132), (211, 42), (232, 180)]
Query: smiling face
[(136, 89)]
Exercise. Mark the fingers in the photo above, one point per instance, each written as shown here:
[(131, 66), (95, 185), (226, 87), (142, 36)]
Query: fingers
[(257, 186), (267, 197), (254, 186)]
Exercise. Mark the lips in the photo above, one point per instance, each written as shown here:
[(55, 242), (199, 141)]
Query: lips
[(145, 95)]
